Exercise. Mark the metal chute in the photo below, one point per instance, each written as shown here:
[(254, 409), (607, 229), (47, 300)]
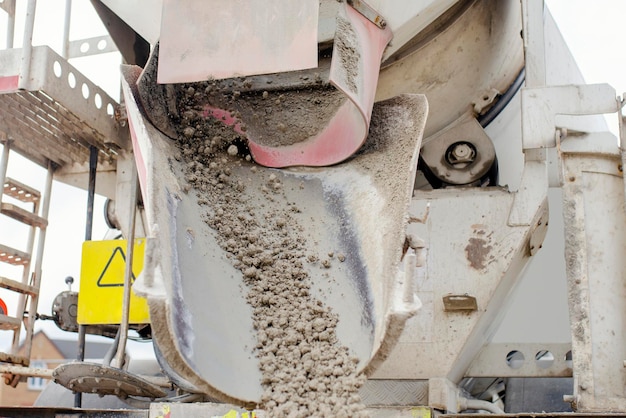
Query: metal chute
[(344, 235)]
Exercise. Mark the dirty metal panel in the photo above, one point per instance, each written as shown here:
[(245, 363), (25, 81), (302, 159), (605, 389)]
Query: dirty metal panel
[(180, 292), (394, 392), (483, 261), (61, 113), (104, 380), (523, 360), (231, 38)]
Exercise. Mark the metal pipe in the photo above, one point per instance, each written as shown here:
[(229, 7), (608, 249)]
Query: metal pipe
[(26, 371), (27, 44), (128, 273), (408, 294), (66, 29), (534, 42), (4, 163), (621, 125), (21, 303), (34, 299), (479, 405), (10, 9), (91, 192), (26, 274), (106, 361)]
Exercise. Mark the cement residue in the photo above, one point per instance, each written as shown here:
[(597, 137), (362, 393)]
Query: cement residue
[(394, 124), (285, 118), (271, 118), (346, 48), (305, 370)]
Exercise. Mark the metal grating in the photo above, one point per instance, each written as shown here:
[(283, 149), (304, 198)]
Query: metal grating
[(381, 392), (42, 129), (56, 114)]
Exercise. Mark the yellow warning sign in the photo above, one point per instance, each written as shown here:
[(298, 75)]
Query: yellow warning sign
[(102, 283)]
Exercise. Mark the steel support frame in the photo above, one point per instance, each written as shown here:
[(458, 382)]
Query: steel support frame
[(595, 244), (598, 386), (595, 226)]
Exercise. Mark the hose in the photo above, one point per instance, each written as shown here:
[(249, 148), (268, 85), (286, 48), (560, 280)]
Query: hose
[(503, 100), (145, 403), (478, 404), (106, 361)]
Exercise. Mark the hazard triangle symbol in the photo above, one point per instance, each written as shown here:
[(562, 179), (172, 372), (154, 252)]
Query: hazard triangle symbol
[(113, 273)]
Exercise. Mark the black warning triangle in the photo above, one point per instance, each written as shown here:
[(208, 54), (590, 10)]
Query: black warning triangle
[(114, 279)]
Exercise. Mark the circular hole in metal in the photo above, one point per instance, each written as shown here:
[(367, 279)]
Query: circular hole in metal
[(84, 47), (110, 109), (515, 359), (97, 99), (544, 359), (568, 359), (56, 68), (102, 43), (71, 80), (85, 90)]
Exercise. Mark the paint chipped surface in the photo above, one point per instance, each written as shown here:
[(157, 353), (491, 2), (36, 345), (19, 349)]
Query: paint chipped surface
[(478, 248)]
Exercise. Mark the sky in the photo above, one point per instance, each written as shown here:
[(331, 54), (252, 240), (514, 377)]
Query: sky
[(593, 31)]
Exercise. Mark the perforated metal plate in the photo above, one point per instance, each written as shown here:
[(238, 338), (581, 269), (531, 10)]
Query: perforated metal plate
[(55, 113), (104, 380)]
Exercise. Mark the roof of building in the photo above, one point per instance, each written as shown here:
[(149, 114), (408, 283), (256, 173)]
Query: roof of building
[(93, 350), (69, 348)]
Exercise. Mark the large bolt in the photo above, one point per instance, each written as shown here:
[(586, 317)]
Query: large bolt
[(462, 151), (461, 154)]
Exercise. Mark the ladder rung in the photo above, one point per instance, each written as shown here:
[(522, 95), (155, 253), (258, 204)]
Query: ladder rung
[(9, 323), (20, 191), (18, 286), (14, 359), (13, 256), (23, 215)]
